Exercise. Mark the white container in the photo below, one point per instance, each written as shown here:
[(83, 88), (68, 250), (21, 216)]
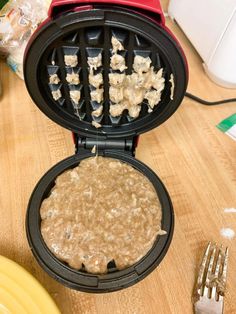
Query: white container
[(210, 25)]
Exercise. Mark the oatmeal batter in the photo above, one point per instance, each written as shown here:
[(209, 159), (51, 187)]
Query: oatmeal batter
[(95, 62), (116, 45), (100, 211), (147, 79), (116, 79), (94, 149), (116, 94), (56, 94), (97, 95), (158, 82), (97, 112), (153, 97), (134, 96), (136, 88), (172, 90), (96, 124), (75, 96), (135, 80), (54, 79), (73, 78), (95, 80), (118, 63), (134, 111), (71, 60), (117, 109), (141, 64), (129, 91)]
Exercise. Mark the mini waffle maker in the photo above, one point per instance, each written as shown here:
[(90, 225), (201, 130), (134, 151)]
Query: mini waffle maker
[(85, 28)]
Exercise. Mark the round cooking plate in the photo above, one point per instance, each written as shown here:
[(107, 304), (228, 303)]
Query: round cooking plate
[(86, 34), (114, 279)]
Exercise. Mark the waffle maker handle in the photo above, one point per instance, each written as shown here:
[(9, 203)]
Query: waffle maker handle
[(152, 6)]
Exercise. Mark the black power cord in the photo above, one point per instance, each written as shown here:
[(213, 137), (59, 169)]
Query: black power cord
[(209, 103)]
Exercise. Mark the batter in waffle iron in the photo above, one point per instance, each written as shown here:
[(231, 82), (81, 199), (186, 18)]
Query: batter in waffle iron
[(102, 210)]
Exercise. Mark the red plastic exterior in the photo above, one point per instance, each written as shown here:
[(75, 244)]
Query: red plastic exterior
[(147, 5)]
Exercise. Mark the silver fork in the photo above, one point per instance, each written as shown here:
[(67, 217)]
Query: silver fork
[(211, 281)]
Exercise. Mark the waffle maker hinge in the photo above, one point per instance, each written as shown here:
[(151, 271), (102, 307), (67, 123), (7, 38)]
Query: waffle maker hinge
[(83, 144)]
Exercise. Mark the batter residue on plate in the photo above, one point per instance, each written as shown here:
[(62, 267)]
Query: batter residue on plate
[(102, 210), (129, 91)]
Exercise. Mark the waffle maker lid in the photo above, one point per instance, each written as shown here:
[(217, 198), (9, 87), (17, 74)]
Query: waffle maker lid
[(86, 33)]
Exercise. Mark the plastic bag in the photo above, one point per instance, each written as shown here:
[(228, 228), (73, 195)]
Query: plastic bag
[(18, 20)]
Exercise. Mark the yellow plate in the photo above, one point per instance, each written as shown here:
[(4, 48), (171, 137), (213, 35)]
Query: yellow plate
[(21, 293)]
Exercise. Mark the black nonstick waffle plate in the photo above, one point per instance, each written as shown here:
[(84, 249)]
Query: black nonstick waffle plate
[(114, 279), (87, 34)]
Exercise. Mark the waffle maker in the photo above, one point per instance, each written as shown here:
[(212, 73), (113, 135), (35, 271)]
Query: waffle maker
[(85, 28)]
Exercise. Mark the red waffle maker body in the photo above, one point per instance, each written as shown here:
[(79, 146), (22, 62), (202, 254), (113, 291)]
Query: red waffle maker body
[(85, 28)]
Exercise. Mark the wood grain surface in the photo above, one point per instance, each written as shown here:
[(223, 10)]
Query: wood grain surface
[(164, 4), (196, 162)]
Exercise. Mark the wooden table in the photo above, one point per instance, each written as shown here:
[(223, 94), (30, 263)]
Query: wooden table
[(196, 162)]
